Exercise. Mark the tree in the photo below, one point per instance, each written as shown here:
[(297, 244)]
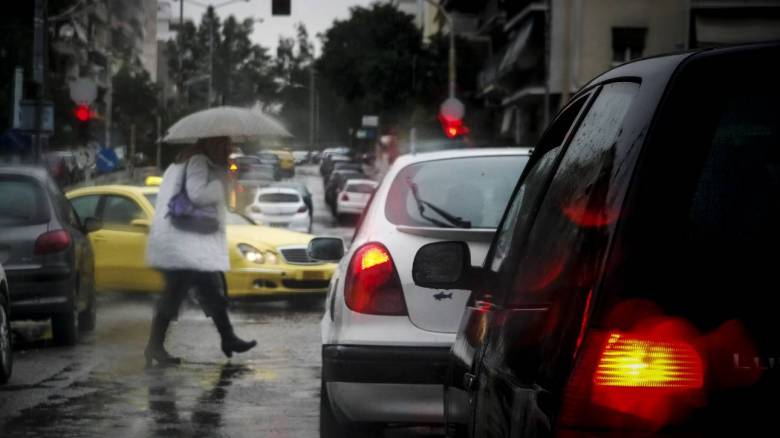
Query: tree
[(135, 104), (294, 59)]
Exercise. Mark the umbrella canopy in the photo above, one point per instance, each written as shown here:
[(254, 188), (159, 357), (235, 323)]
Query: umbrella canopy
[(240, 124)]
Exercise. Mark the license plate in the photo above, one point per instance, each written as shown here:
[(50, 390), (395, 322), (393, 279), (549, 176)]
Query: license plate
[(313, 275), (279, 225)]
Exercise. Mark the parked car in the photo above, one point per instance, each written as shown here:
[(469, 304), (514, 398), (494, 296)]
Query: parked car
[(353, 198), (336, 185), (45, 253), (345, 166), (280, 207), (328, 162), (265, 263), (286, 162), (6, 346), (315, 157), (626, 291), (385, 341), (300, 188)]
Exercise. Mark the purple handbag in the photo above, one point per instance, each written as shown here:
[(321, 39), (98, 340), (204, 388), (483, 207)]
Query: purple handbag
[(187, 216)]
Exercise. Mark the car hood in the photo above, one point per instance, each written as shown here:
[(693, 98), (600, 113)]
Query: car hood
[(265, 237)]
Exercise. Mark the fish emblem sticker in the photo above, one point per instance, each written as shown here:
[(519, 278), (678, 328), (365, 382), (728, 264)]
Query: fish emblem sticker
[(441, 295)]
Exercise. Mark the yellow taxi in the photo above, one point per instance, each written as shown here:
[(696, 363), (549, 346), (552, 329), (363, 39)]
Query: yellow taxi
[(286, 162), (264, 262)]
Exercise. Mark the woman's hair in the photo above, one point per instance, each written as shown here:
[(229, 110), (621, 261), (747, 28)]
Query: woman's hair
[(202, 147)]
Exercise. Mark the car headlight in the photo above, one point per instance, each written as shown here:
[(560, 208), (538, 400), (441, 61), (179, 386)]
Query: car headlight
[(251, 253), (271, 258)]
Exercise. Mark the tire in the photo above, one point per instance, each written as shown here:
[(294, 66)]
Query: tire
[(65, 327), (6, 348), (88, 317)]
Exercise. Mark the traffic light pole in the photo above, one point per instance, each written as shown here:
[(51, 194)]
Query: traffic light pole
[(39, 74), (452, 59)]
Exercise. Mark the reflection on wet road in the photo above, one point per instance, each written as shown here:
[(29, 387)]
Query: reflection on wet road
[(100, 388)]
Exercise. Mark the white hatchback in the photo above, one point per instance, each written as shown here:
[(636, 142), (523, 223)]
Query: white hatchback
[(280, 207), (385, 340), (354, 198)]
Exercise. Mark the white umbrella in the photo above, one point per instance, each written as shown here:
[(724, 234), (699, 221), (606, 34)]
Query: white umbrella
[(240, 124)]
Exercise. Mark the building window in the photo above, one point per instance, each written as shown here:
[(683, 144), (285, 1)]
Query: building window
[(628, 43)]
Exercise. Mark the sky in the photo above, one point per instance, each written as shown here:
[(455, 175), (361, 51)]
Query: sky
[(317, 15)]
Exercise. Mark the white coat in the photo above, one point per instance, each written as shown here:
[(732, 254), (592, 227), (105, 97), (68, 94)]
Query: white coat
[(170, 248)]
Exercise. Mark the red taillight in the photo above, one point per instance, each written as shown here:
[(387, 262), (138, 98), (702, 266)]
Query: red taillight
[(302, 209), (373, 285), (633, 381), (51, 242), (344, 196)]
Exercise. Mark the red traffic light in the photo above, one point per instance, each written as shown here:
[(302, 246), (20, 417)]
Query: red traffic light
[(453, 127), (82, 113)]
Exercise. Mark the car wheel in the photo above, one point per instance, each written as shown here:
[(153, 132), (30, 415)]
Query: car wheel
[(65, 327), (88, 318), (6, 352)]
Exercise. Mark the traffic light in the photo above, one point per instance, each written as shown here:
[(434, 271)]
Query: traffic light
[(453, 127), (82, 113), (281, 7), (451, 115)]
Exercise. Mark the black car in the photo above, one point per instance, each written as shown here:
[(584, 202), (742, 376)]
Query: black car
[(631, 287), (6, 350), (344, 166), (328, 162), (45, 253), (336, 183)]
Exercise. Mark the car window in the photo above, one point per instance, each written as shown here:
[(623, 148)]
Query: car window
[(360, 188), (526, 195), (86, 206), (278, 197), (578, 213), (119, 212), (475, 190), (24, 202)]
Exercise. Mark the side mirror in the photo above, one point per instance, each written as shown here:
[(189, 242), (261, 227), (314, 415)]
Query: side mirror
[(144, 224), (326, 249), (92, 224), (443, 265)]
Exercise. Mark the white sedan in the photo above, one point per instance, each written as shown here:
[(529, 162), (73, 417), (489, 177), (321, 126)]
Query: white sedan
[(354, 197), (280, 207), (385, 341)]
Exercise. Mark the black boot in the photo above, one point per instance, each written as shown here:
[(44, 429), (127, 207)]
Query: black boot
[(230, 342), (155, 349)]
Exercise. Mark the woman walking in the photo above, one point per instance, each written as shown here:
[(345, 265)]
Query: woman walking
[(192, 258)]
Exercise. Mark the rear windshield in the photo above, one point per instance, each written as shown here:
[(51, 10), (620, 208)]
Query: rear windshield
[(360, 188), (24, 202), (474, 190), (279, 197)]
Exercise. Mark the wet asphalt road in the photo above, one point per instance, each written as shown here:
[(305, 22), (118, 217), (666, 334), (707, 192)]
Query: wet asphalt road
[(100, 387)]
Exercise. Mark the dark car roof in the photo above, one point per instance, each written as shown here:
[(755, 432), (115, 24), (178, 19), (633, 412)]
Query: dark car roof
[(36, 172)]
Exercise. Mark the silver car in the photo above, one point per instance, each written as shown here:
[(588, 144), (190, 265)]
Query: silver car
[(45, 252), (385, 341)]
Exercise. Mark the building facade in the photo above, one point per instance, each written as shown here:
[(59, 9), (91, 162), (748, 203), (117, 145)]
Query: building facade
[(542, 51)]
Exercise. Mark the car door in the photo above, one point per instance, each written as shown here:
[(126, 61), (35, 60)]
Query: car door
[(120, 247), (548, 284), (479, 315)]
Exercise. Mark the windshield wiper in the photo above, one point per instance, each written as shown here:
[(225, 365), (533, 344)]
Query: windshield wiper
[(454, 221)]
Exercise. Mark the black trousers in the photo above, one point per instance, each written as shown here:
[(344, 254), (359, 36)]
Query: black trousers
[(209, 286)]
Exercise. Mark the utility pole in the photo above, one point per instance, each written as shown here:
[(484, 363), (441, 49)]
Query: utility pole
[(211, 58), (179, 50), (109, 79), (39, 73), (312, 103), (547, 43)]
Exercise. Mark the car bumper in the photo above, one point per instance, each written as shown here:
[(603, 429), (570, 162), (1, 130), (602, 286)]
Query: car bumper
[(278, 282), (40, 292), (386, 384), (350, 208)]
